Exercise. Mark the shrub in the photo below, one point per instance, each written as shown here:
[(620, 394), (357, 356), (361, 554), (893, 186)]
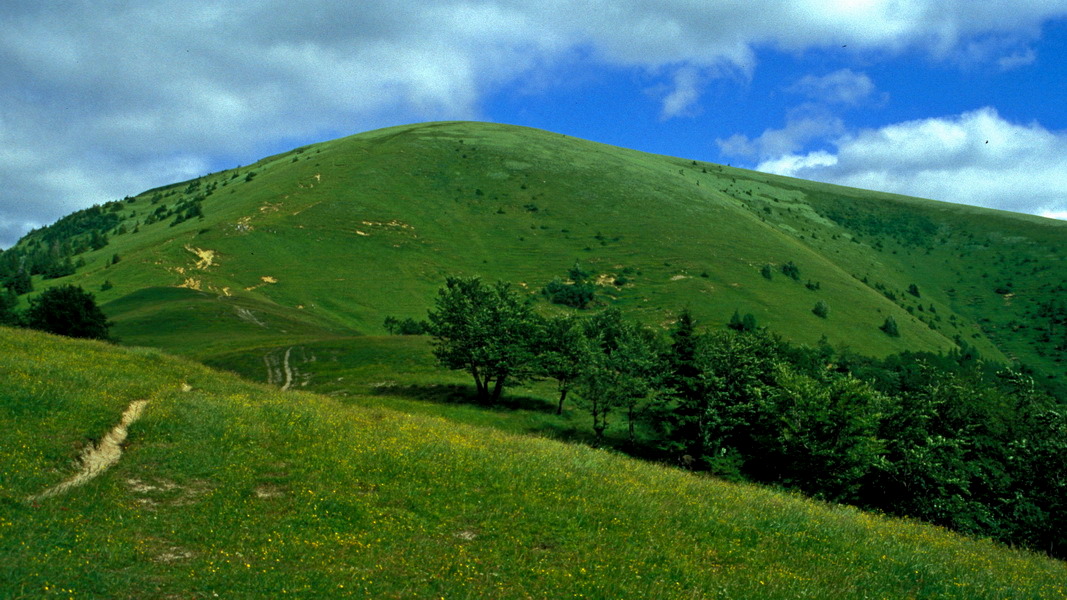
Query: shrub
[(890, 327), (576, 295), (407, 326), (821, 309), (791, 270), (68, 310)]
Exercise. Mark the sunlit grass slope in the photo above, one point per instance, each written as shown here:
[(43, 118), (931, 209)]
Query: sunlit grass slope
[(331, 238), (236, 490)]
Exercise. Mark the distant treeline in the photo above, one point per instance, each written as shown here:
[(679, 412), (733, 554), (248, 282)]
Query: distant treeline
[(50, 252), (55, 251), (949, 439)]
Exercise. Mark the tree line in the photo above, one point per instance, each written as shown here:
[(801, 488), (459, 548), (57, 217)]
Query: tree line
[(950, 439)]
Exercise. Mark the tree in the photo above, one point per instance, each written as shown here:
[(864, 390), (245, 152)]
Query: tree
[(406, 326), (734, 373), (8, 300), (821, 309), (68, 310), (682, 370), (790, 269), (560, 354), (579, 292), (685, 385), (825, 442), (486, 330), (20, 283), (622, 368), (890, 327), (748, 323), (739, 323)]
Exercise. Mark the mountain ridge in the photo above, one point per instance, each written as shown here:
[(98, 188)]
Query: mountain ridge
[(384, 216)]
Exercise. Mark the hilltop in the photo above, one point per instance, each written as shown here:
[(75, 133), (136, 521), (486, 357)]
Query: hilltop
[(324, 242)]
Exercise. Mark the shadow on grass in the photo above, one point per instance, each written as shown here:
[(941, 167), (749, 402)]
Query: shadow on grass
[(545, 424), (462, 395)]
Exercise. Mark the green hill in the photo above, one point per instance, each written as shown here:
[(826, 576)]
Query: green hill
[(232, 489), (327, 240)]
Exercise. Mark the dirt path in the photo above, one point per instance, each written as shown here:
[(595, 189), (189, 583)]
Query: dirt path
[(101, 457), (274, 371), (288, 371), (279, 372)]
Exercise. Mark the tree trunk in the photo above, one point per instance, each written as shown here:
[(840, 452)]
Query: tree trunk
[(562, 397), (598, 429), (481, 386), (498, 389), (630, 418)]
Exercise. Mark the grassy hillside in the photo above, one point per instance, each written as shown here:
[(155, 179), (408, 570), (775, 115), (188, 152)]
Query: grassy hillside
[(232, 489), (329, 239)]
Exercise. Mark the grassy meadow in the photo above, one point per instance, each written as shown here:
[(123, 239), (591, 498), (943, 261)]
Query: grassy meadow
[(235, 489)]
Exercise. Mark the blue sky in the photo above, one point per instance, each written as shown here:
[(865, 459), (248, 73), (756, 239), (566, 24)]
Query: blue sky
[(948, 99)]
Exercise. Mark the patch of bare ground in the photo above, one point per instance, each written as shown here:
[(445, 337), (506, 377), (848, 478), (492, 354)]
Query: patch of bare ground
[(269, 490), (165, 552), (154, 492)]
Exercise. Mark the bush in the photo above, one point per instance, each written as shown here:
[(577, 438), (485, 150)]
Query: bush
[(791, 270), (890, 327), (821, 309), (745, 323), (407, 326), (68, 310), (576, 295)]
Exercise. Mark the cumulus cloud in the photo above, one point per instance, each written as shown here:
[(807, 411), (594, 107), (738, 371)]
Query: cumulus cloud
[(976, 158), (101, 100)]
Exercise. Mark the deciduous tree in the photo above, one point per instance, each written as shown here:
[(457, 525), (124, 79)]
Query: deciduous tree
[(487, 330), (68, 310)]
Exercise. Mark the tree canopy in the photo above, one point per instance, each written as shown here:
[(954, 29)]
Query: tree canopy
[(487, 330), (68, 310)]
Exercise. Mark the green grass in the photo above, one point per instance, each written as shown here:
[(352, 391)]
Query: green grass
[(240, 490), (330, 239)]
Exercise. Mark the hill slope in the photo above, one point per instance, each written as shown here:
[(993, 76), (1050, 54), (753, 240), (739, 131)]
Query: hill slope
[(330, 239), (237, 490)]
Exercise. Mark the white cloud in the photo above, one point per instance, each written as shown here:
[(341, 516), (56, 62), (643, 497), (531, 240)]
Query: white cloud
[(805, 124), (682, 100), (112, 91), (974, 158), (843, 86), (792, 164), (1017, 59)]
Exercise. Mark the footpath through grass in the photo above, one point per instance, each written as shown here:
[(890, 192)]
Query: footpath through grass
[(236, 489)]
